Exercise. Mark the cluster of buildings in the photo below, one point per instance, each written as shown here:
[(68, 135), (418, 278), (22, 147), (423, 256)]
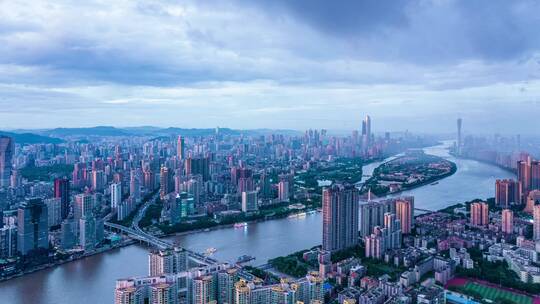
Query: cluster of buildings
[(175, 278)]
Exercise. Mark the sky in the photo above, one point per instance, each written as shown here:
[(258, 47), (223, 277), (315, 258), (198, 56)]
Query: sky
[(413, 65)]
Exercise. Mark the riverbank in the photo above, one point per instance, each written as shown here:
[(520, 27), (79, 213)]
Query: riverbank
[(509, 170), (228, 225), (124, 243)]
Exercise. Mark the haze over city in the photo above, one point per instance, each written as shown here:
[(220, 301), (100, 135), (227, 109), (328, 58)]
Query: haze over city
[(269, 152), (415, 65)]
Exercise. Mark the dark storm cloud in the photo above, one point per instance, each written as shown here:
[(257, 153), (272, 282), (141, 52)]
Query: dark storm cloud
[(422, 31), (345, 17)]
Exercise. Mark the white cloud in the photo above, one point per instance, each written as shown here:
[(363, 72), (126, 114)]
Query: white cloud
[(228, 63)]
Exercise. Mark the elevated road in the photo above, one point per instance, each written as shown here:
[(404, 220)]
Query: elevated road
[(135, 232)]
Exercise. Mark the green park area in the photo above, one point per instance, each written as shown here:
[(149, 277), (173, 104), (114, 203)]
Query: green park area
[(46, 173), (342, 169)]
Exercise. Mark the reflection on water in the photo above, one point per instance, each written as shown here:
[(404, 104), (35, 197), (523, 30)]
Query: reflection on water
[(92, 280)]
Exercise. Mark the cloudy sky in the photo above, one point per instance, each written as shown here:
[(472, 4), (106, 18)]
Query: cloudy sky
[(415, 65)]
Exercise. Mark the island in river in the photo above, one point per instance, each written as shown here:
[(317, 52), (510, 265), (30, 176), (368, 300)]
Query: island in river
[(413, 169)]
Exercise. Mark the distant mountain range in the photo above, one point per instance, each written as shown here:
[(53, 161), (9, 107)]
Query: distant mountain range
[(57, 135), (31, 138)]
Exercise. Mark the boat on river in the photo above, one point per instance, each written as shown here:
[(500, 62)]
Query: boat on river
[(240, 225)]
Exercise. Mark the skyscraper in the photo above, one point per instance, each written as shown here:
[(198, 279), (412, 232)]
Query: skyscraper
[(8, 241), (535, 175), (536, 223), (168, 261), (507, 192), (6, 156), (180, 148), (226, 280), (116, 195), (164, 293), (203, 290), (524, 175), (366, 131), (507, 221), (84, 206), (199, 165), (61, 190), (283, 191), (33, 229), (135, 185), (532, 199), (54, 209), (479, 214), (459, 138), (405, 213), (165, 180), (340, 217), (249, 201), (87, 232)]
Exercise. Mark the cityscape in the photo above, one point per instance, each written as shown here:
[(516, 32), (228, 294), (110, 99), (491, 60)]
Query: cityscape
[(69, 201), (269, 152)]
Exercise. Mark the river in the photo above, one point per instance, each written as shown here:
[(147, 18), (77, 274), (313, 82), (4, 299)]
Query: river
[(91, 280)]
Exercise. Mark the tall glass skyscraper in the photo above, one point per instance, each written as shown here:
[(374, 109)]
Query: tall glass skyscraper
[(33, 229), (6, 155)]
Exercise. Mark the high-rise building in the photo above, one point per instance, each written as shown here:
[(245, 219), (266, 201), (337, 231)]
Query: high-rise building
[(84, 206), (151, 290), (33, 228), (116, 195), (180, 148), (524, 175), (283, 191), (54, 209), (535, 175), (507, 192), (203, 290), (393, 231), (340, 217), (69, 235), (198, 165), (366, 131), (372, 213), (479, 214), (169, 261), (149, 180), (166, 182), (164, 293), (264, 185), (532, 199), (405, 213), (226, 280), (87, 233), (135, 185), (8, 241), (249, 201), (61, 190), (536, 223), (507, 221), (128, 295), (374, 244), (16, 178), (98, 180), (6, 156), (459, 144)]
